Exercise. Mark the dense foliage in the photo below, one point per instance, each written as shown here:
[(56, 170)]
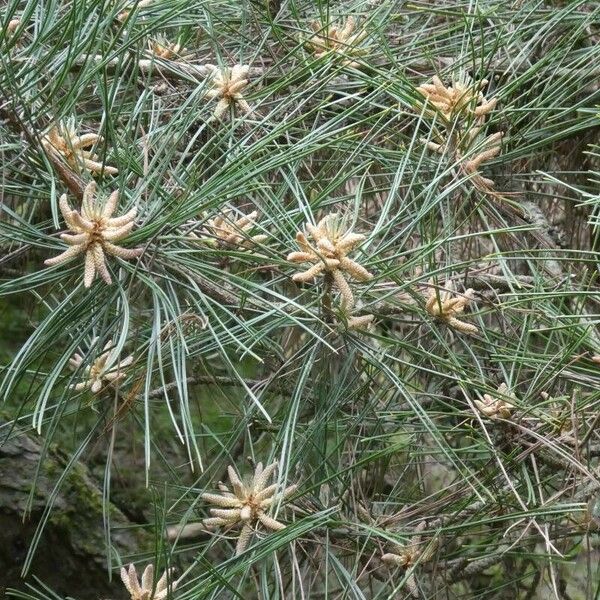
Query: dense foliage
[(340, 257)]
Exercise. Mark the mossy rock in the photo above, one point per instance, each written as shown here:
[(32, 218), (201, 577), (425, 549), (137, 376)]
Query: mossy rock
[(70, 555)]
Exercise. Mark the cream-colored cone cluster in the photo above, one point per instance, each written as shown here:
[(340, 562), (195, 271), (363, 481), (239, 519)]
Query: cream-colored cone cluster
[(145, 589), (12, 26), (360, 322), (407, 556), (446, 306), (62, 140), (228, 232), (94, 231), (124, 14), (465, 106), (247, 503), (163, 49), (332, 39), (104, 370), (459, 100), (498, 406), (330, 255), (487, 149), (557, 411), (227, 86)]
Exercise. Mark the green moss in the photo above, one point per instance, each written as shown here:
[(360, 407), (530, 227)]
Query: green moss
[(84, 509)]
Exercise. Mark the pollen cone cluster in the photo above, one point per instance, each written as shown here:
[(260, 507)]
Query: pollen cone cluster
[(106, 369), (124, 14), (247, 503), (497, 407), (94, 230), (227, 86), (360, 322), (329, 254), (338, 40), (165, 50), (13, 24), (466, 107), (227, 232), (62, 140), (445, 306), (472, 153), (146, 590), (464, 100), (407, 556), (488, 149)]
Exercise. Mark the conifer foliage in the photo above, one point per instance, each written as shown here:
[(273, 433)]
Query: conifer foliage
[(309, 289)]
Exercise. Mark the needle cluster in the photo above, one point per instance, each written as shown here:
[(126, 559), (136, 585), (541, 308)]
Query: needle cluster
[(104, 370), (62, 140), (246, 503), (329, 255), (94, 230)]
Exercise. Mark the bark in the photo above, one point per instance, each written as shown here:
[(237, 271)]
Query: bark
[(70, 557)]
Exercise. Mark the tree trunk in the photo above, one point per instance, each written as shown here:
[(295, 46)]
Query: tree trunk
[(70, 556)]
